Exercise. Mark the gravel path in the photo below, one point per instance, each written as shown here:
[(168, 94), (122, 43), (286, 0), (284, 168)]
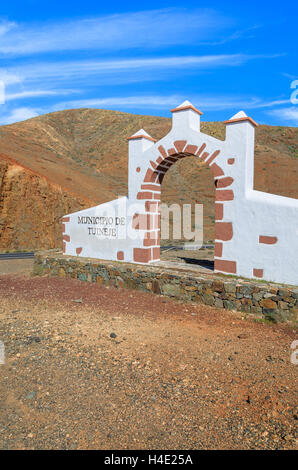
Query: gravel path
[(91, 367)]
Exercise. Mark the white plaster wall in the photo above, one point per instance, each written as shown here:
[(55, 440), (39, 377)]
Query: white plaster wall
[(269, 215), (97, 246), (256, 213)]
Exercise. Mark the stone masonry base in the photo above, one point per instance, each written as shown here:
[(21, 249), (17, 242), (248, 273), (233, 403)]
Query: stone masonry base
[(259, 299)]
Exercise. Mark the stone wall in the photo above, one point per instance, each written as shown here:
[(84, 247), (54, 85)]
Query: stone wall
[(260, 299)]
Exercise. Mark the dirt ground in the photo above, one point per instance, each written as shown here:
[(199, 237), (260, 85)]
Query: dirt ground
[(92, 367)]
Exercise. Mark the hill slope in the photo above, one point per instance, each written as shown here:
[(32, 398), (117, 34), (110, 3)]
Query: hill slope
[(68, 160)]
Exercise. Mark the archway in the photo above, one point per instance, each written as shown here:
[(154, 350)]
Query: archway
[(150, 192), (250, 235)]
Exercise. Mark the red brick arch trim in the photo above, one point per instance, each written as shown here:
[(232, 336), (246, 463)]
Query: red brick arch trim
[(267, 240), (258, 273), (65, 237), (224, 231), (225, 266), (150, 191), (224, 182)]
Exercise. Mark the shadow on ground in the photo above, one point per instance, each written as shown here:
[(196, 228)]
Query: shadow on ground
[(204, 263)]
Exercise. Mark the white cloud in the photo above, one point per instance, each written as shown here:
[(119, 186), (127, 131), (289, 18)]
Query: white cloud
[(247, 33), (144, 29), (6, 26), (291, 77), (153, 101), (18, 114), (286, 114), (203, 102), (9, 78), (267, 104), (103, 69), (36, 94)]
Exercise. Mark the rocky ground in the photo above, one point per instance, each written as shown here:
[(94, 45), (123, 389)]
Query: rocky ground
[(92, 367)]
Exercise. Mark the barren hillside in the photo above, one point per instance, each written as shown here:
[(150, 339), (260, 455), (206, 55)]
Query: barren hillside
[(68, 160)]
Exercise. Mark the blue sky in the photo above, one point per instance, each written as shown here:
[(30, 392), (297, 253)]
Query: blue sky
[(148, 57)]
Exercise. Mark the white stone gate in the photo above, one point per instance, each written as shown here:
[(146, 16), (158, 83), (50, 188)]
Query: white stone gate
[(256, 233)]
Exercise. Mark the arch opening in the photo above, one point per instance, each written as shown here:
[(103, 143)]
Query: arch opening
[(188, 207), (150, 193)]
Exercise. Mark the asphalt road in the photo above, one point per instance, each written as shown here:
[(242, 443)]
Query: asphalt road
[(20, 255)]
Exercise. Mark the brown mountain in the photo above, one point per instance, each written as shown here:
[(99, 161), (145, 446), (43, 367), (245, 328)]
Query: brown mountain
[(69, 160)]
